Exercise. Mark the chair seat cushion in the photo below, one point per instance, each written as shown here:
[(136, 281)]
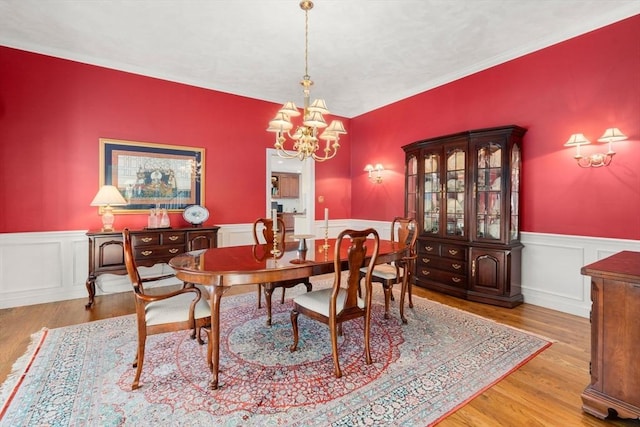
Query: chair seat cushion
[(176, 309), (318, 301), (383, 271)]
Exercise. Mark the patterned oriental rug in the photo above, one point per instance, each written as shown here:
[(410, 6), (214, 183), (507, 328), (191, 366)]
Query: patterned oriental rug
[(422, 371)]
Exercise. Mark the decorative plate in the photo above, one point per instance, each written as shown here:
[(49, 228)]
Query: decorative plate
[(195, 214)]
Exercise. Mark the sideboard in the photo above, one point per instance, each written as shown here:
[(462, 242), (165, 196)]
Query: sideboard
[(615, 337), (150, 247)]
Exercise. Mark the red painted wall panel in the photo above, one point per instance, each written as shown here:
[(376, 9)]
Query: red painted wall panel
[(53, 111), (586, 84)]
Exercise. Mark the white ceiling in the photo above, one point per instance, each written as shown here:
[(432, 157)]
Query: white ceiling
[(363, 54)]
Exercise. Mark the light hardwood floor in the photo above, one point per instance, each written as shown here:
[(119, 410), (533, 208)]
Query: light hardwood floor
[(544, 392)]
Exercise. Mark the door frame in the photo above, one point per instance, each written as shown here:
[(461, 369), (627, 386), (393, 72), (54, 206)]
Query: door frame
[(304, 225)]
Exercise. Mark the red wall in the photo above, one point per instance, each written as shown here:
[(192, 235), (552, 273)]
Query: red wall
[(585, 85), (53, 111)]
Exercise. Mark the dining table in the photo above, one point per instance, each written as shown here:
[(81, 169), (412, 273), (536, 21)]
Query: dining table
[(219, 269)]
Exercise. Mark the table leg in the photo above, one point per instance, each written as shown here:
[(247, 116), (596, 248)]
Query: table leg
[(405, 283), (268, 292), (216, 296)]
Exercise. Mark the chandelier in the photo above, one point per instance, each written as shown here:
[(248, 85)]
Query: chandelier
[(306, 137)]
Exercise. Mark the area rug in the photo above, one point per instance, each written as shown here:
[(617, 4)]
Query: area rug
[(422, 371)]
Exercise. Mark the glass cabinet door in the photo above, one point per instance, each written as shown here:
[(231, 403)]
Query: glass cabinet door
[(432, 193), (488, 191), (411, 207), (515, 192), (455, 191)]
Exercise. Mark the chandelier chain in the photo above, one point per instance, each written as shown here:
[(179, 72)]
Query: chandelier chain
[(306, 43)]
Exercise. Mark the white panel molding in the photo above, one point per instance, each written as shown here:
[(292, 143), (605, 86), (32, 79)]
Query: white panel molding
[(42, 267), (551, 266), (53, 266)]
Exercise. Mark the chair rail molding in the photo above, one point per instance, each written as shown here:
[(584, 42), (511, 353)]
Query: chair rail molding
[(44, 267)]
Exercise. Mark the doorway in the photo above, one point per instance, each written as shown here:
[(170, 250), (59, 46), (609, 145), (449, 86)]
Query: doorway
[(305, 205)]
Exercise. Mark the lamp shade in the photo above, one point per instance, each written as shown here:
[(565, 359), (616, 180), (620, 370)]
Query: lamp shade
[(612, 135), (576, 139), (290, 109), (108, 195)]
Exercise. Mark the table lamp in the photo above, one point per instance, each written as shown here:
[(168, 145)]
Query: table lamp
[(108, 196)]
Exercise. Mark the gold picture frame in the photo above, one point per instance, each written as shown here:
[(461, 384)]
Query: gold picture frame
[(153, 175)]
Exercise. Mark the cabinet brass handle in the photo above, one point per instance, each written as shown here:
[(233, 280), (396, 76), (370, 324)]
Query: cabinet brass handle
[(426, 260), (429, 248), (456, 266), (174, 238), (473, 268), (147, 253), (456, 279), (146, 239), (173, 251), (453, 251), (425, 272)]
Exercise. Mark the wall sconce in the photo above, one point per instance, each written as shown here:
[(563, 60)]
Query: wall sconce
[(378, 168), (108, 196), (598, 159)]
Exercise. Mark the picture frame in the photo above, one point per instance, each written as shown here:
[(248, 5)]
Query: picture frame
[(151, 175)]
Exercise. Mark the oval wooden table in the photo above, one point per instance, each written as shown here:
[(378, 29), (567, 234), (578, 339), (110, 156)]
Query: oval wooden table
[(221, 268)]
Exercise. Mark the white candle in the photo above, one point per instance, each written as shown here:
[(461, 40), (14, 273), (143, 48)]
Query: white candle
[(274, 217), (326, 217)]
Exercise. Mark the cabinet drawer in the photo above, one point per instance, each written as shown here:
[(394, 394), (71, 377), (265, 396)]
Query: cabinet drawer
[(445, 277), (158, 252), (452, 265), (429, 248), (146, 239), (453, 251), (172, 237)]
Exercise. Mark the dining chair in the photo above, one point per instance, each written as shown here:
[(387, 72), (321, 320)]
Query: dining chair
[(266, 226), (163, 311), (342, 302), (403, 230)]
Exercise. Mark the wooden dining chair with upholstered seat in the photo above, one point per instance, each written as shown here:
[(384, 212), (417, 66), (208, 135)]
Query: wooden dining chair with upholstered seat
[(403, 230), (266, 225), (342, 302), (159, 312)]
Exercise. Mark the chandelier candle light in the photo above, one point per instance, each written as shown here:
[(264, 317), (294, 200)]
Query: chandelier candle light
[(305, 137)]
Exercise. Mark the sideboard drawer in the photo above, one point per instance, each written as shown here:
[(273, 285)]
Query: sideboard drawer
[(172, 238), (154, 252), (145, 239)]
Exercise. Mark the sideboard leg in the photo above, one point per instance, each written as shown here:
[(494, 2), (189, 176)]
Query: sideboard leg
[(91, 290)]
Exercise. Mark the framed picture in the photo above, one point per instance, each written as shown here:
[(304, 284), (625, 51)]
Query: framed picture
[(150, 175)]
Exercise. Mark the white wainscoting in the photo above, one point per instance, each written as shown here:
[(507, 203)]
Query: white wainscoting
[(53, 266), (551, 266)]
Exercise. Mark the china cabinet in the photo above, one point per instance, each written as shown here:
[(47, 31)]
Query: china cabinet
[(464, 191)]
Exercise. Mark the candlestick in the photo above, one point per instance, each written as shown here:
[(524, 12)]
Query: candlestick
[(326, 217), (275, 251), (326, 240), (274, 218)]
